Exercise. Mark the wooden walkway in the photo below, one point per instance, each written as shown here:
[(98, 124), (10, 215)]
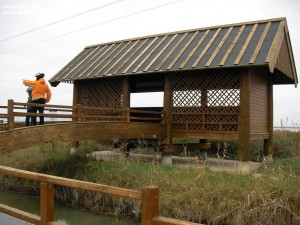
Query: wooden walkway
[(84, 123)]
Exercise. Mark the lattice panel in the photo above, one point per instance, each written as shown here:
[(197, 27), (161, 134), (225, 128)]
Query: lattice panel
[(105, 93), (206, 101)]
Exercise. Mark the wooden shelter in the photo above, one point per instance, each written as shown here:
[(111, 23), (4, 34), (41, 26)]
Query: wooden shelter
[(217, 81)]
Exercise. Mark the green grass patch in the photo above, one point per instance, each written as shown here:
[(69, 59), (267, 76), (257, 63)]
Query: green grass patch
[(192, 193)]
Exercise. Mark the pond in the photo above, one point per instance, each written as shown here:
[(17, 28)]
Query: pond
[(64, 214)]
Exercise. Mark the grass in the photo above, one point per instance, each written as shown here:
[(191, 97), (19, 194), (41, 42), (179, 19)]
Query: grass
[(272, 196)]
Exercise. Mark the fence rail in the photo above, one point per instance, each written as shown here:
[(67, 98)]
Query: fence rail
[(149, 197), (76, 113)]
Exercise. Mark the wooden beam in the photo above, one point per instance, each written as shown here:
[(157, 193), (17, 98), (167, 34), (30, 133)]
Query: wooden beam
[(168, 108), (68, 132), (275, 47), (31, 218), (122, 192), (268, 143), (244, 120)]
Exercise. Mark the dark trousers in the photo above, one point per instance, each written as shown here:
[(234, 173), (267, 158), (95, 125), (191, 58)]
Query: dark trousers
[(36, 109), (28, 121)]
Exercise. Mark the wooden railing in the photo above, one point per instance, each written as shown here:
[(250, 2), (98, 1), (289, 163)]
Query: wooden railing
[(149, 197), (76, 113)]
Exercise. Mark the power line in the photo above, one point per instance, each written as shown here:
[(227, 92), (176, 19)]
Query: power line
[(94, 25), (50, 24)]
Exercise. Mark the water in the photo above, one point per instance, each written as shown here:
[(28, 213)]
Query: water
[(66, 215)]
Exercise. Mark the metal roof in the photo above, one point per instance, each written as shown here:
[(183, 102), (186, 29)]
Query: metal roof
[(244, 44)]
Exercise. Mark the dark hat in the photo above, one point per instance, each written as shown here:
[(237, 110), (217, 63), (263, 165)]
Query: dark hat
[(39, 75)]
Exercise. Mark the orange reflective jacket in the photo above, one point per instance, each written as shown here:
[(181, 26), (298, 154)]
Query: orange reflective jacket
[(40, 89)]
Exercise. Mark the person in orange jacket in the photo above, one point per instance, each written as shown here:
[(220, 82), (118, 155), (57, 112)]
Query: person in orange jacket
[(40, 94)]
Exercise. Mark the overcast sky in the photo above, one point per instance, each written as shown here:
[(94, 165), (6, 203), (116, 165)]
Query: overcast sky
[(50, 48)]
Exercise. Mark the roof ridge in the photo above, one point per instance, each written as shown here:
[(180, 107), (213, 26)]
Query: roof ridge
[(190, 30)]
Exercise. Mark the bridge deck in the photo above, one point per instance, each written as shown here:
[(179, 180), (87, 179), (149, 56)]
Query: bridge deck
[(25, 137)]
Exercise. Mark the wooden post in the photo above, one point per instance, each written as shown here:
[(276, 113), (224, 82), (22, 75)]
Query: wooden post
[(150, 204), (268, 143), (168, 108), (126, 99), (46, 203), (10, 113), (244, 120)]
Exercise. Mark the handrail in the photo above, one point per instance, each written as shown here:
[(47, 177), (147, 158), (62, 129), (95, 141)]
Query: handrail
[(149, 197), (79, 113)]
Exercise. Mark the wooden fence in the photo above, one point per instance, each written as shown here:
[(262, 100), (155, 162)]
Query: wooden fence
[(149, 197), (76, 113)]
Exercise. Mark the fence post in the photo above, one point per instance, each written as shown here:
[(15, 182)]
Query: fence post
[(150, 204), (127, 114), (46, 203), (10, 113), (79, 113)]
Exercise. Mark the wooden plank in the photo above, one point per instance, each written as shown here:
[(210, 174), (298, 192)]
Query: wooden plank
[(206, 48), (193, 50), (136, 58), (170, 52), (275, 47), (260, 42), (224, 59), (146, 57), (31, 218), (242, 51), (161, 51), (219, 47), (150, 204), (99, 62), (182, 50), (119, 58)]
